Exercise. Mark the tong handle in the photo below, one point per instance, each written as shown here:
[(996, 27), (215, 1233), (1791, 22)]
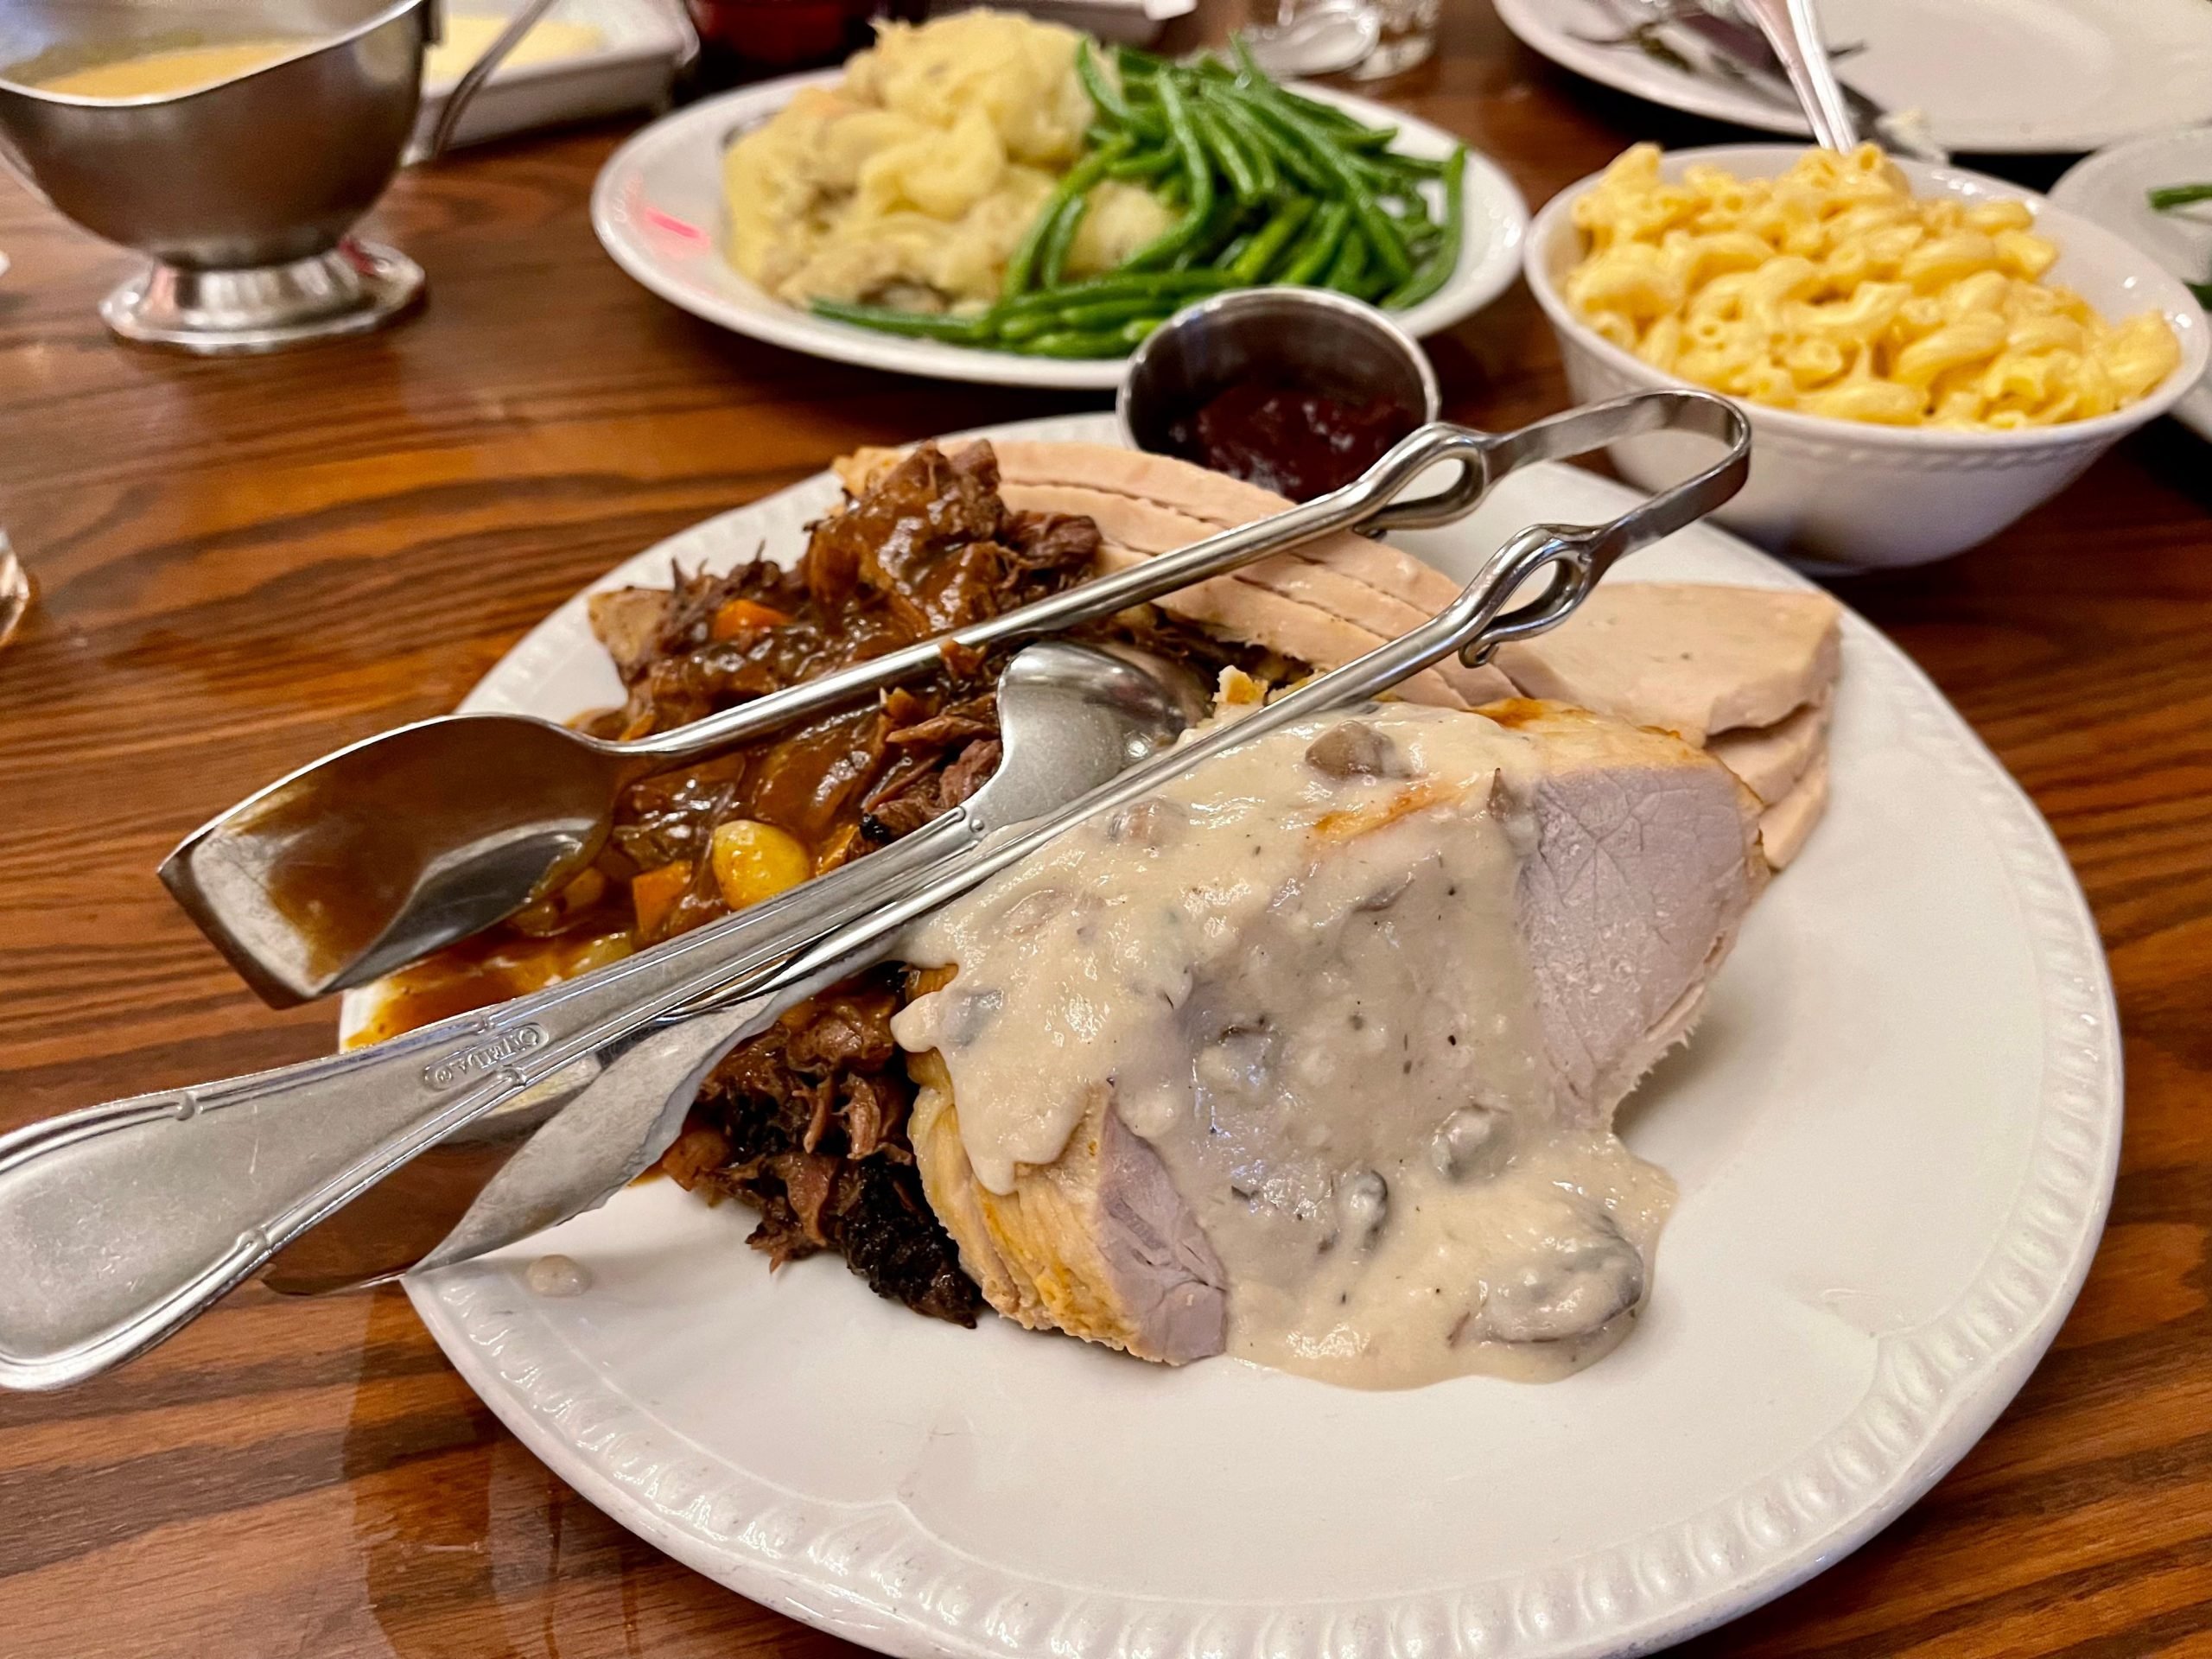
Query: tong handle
[(1371, 501), (1473, 625), (121, 1224)]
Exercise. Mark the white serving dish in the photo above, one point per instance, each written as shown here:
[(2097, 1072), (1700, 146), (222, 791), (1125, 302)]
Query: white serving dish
[(642, 42), (1126, 22), (1844, 495), (657, 208), (1894, 1135), (2112, 188)]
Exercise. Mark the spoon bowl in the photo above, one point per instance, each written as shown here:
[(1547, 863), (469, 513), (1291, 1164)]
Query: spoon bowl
[(125, 1222)]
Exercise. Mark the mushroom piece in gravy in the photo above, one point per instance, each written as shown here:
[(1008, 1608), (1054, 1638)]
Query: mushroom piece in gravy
[(1299, 977)]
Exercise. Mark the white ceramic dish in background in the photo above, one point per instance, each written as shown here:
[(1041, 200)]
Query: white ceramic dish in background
[(1848, 495), (2112, 188), (1128, 22), (642, 43), (1994, 76), (1895, 1138), (657, 207)]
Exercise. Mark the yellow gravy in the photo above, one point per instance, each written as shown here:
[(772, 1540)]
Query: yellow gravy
[(157, 74)]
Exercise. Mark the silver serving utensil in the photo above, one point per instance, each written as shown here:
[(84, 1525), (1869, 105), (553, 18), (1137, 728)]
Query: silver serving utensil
[(1731, 44), (120, 1223), (394, 846), (244, 192), (579, 1158), (1793, 33)]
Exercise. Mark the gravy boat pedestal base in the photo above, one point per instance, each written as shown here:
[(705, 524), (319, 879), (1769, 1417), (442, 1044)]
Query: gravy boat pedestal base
[(353, 288)]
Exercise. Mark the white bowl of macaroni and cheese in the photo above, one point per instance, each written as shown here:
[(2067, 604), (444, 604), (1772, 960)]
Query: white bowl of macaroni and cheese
[(1925, 353)]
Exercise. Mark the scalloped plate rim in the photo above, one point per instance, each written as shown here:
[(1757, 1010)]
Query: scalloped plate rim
[(503, 1372)]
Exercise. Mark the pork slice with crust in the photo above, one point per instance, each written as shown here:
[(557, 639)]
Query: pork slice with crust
[(1641, 861)]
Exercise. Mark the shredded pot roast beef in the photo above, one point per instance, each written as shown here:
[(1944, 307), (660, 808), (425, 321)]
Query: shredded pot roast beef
[(807, 1122)]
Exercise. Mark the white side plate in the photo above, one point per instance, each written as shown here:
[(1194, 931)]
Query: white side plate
[(1895, 1136), (1992, 76), (2113, 187), (657, 208)]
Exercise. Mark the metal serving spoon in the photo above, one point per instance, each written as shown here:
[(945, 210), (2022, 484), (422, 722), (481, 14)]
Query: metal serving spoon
[(388, 849), (120, 1223)]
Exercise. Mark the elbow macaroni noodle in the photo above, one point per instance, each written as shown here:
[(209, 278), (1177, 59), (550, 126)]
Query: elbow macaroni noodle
[(1833, 290)]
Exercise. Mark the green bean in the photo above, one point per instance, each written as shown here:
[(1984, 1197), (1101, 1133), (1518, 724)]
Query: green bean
[(1198, 174), (1104, 95), (919, 325), (1320, 248), (1255, 145), (1269, 241), (1132, 62), (1204, 252), (1053, 258), (1021, 267), (1116, 285), (2166, 198), (1350, 266), (1085, 319), (1145, 164), (1072, 343), (1440, 260), (1236, 166), (1384, 240), (1288, 155)]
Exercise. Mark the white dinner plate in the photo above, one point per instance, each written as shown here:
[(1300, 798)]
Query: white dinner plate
[(1990, 75), (657, 208), (2113, 187), (1895, 1136)]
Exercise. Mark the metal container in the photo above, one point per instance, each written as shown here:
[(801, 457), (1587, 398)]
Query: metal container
[(243, 190), (1307, 337)]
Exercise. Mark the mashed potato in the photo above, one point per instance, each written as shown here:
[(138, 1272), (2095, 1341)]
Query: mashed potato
[(912, 182)]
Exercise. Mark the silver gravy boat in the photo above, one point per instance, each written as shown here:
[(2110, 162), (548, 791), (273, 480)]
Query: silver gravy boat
[(242, 191)]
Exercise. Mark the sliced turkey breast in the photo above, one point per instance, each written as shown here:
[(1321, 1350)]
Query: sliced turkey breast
[(1690, 658), (1771, 759), (1786, 826), (1313, 1058)]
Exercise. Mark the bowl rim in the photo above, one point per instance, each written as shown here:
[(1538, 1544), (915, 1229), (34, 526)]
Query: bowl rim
[(2191, 323), (1212, 305)]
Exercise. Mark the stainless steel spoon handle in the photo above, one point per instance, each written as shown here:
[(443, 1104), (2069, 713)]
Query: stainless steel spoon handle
[(1793, 30), (122, 1223)]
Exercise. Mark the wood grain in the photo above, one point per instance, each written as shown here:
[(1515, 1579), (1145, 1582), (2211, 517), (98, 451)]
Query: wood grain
[(243, 564)]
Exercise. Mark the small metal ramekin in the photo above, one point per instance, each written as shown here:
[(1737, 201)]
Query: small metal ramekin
[(1307, 337)]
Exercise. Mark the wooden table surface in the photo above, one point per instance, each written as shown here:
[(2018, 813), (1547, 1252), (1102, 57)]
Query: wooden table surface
[(243, 564)]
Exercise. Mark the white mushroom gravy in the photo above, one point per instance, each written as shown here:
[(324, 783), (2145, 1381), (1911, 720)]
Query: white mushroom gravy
[(1300, 974)]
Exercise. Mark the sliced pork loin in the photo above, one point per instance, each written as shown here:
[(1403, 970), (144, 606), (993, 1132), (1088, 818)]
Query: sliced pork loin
[(1690, 658), (1748, 673), (1261, 1059), (1745, 671), (1323, 605)]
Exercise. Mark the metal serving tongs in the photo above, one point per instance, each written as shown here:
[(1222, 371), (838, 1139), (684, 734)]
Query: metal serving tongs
[(94, 1274), (394, 847)]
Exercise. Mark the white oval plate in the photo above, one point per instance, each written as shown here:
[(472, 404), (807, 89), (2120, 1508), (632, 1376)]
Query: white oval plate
[(2112, 187), (1992, 76), (1895, 1137), (657, 208)]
